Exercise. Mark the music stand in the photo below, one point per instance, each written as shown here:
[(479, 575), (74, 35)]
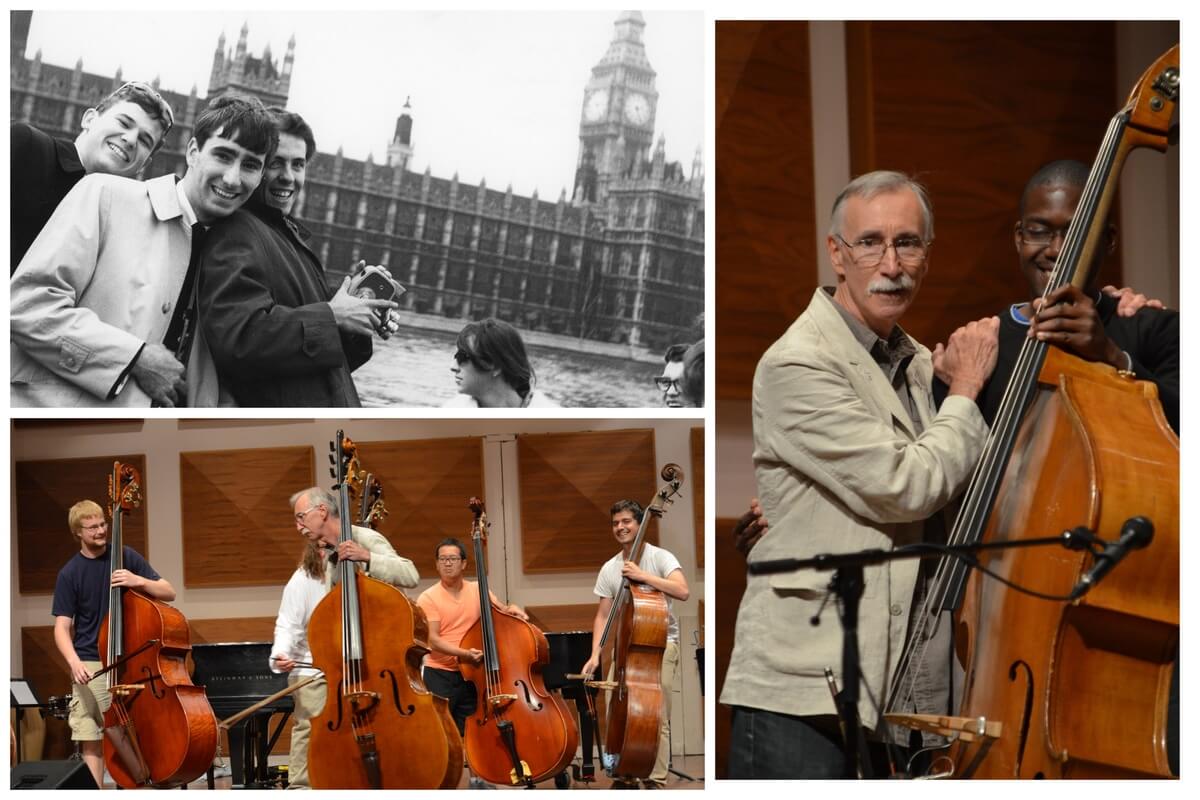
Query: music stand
[(21, 696)]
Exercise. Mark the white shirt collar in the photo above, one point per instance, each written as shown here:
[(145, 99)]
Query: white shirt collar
[(189, 215)]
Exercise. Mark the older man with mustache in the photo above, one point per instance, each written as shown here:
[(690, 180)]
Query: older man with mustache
[(850, 453)]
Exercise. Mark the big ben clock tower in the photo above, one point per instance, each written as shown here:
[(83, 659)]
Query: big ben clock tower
[(616, 125)]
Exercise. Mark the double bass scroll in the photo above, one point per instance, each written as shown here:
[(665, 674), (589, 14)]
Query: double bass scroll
[(1071, 689), (521, 732), (380, 727), (639, 621), (169, 730)]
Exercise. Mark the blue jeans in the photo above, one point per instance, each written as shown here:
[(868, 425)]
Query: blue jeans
[(770, 745)]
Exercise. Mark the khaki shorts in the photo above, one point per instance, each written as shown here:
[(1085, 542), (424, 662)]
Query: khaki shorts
[(88, 704)]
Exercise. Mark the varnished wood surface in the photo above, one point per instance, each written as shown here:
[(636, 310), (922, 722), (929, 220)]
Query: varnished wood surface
[(45, 491), (973, 109), (730, 583), (697, 492), (426, 484), (237, 528), (563, 618), (569, 481), (765, 246)]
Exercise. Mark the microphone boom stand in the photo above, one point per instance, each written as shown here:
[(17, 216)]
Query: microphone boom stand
[(848, 584)]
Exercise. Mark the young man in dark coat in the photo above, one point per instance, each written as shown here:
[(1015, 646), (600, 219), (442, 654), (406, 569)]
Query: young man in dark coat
[(117, 137), (276, 334)]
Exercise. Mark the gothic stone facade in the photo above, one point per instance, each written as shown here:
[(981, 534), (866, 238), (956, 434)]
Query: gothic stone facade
[(622, 260)]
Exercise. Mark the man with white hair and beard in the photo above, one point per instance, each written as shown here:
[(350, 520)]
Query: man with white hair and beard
[(850, 454)]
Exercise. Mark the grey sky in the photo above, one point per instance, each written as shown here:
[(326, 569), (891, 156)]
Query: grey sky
[(495, 95)]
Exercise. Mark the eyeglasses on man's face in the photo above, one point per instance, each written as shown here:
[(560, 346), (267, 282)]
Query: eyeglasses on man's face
[(1041, 236), (449, 559), (869, 251), (300, 515), (665, 384), (99, 526)]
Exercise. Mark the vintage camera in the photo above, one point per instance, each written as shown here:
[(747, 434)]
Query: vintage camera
[(374, 283)]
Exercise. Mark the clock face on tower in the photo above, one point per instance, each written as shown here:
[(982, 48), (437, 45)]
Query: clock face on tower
[(595, 106), (637, 109)]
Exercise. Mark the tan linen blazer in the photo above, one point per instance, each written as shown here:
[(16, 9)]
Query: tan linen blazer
[(385, 564), (100, 281), (839, 468)]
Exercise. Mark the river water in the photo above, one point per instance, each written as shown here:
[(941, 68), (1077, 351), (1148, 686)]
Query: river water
[(412, 369)]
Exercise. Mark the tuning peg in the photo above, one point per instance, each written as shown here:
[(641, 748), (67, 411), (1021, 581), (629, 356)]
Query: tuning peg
[(333, 474)]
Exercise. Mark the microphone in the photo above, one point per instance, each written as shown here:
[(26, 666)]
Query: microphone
[(1136, 533)]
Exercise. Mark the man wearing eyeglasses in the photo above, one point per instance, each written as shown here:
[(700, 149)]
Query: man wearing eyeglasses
[(850, 454), (317, 519), (1121, 329), (277, 335), (117, 137), (672, 374), (101, 305), (452, 607), (80, 604)]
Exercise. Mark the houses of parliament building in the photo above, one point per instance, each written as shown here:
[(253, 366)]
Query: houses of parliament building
[(621, 259)]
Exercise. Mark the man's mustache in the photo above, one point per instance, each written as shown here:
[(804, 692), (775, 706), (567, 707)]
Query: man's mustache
[(904, 283)]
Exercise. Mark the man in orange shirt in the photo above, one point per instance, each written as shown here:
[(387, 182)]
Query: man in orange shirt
[(452, 607)]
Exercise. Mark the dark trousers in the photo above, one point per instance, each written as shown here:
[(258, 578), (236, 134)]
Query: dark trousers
[(770, 745), (451, 685)]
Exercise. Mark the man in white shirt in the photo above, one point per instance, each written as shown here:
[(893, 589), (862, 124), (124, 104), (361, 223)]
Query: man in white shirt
[(318, 521), (658, 569)]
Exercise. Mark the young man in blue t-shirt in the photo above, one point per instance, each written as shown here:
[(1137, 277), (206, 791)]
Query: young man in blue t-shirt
[(80, 603)]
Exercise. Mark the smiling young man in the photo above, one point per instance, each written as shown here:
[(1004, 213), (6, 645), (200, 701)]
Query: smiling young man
[(658, 569), (276, 334), (1088, 323), (99, 304), (80, 604), (117, 137)]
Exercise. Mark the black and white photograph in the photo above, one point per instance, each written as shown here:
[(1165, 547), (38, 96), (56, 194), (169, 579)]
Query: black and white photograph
[(378, 209)]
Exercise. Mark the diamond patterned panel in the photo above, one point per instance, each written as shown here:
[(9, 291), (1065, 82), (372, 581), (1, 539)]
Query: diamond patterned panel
[(568, 483), (46, 490)]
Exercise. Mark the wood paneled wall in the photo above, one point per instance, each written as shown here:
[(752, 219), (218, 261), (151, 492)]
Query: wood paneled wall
[(569, 481), (973, 109), (729, 584), (426, 486), (237, 530), (766, 245), (563, 618), (697, 483), (46, 490)]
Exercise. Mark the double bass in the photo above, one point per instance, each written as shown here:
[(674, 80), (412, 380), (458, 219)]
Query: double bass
[(168, 724), (640, 619), (1073, 683), (380, 727), (521, 732)]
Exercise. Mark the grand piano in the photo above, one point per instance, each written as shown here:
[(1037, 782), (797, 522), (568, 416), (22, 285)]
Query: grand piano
[(235, 676)]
